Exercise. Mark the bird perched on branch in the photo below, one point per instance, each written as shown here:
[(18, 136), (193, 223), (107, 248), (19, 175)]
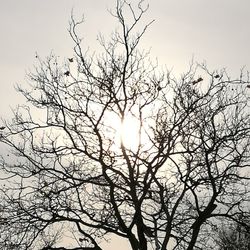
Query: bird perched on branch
[(71, 59), (66, 73), (198, 80)]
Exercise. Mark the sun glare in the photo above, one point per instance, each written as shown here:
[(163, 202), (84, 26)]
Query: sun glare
[(128, 133)]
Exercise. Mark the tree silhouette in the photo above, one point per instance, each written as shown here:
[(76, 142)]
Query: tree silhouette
[(235, 236), (75, 179)]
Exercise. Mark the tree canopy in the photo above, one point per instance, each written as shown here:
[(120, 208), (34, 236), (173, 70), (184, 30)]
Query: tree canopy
[(111, 144), (234, 236)]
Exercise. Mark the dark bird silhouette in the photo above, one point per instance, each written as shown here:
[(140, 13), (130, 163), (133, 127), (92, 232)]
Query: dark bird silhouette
[(71, 59), (248, 86), (66, 73), (2, 128), (198, 80), (217, 76)]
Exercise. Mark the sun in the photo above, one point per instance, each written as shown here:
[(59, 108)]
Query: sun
[(127, 132)]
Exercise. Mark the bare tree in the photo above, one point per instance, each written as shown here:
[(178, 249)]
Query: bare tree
[(76, 178), (234, 236)]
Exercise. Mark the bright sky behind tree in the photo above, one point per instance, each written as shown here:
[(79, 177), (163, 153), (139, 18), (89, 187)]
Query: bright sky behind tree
[(215, 31)]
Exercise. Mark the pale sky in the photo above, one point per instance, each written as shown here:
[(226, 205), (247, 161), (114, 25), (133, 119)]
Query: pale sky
[(216, 31)]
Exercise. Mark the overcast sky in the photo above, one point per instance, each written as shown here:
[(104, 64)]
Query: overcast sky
[(216, 31)]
